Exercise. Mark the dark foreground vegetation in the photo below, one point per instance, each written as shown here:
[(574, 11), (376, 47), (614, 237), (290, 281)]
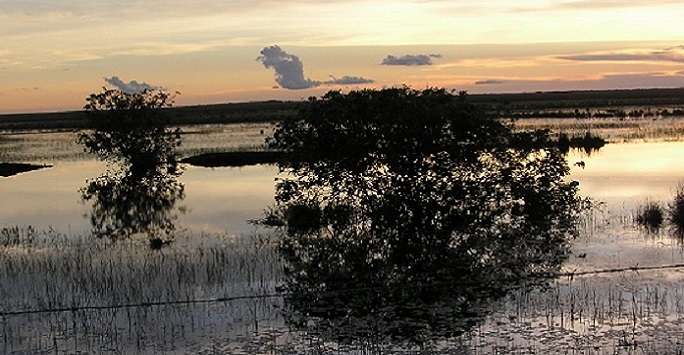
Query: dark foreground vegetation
[(398, 203), (575, 104)]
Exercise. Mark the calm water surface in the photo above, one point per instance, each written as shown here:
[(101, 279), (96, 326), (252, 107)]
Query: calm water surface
[(604, 313), (219, 200), (623, 176)]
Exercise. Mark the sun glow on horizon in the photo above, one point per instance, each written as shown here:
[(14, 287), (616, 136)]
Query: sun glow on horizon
[(55, 53)]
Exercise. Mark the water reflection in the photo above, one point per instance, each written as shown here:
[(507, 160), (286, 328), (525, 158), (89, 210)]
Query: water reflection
[(387, 274), (126, 203), (139, 193), (336, 292), (587, 143)]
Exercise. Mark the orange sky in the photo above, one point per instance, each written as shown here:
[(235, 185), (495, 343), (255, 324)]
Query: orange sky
[(53, 54)]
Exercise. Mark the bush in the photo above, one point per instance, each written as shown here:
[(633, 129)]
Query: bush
[(676, 212), (396, 187), (131, 128), (651, 216), (140, 194)]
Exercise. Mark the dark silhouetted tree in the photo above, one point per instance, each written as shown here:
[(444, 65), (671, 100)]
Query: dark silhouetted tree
[(405, 212), (131, 128), (138, 194)]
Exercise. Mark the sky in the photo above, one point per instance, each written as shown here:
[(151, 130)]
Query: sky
[(53, 54)]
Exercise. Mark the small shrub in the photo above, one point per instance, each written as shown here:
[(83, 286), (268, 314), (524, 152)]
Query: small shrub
[(651, 216), (676, 212)]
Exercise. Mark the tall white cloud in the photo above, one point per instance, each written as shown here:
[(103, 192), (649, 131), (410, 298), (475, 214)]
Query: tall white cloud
[(289, 71)]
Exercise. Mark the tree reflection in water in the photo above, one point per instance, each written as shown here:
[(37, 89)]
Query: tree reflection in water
[(138, 194), (125, 203), (406, 213)]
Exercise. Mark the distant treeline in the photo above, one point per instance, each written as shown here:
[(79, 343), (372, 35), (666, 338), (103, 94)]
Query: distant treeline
[(263, 111), (594, 113), (567, 104), (581, 99)]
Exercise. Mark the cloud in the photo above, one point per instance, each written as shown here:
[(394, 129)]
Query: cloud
[(613, 4), (132, 87), (289, 71), (673, 54), (603, 82), (489, 82), (349, 80), (410, 59), (593, 5), (646, 80)]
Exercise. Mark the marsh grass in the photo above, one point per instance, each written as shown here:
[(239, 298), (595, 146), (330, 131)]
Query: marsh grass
[(40, 147), (627, 312), (51, 146), (624, 314), (613, 130), (105, 289), (199, 139)]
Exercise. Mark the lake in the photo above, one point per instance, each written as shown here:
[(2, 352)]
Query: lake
[(219, 200), (215, 289)]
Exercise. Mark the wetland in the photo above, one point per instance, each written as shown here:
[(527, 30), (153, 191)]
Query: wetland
[(226, 285)]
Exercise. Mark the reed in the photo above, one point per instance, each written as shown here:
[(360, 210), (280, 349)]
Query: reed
[(613, 130), (98, 287), (586, 315)]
